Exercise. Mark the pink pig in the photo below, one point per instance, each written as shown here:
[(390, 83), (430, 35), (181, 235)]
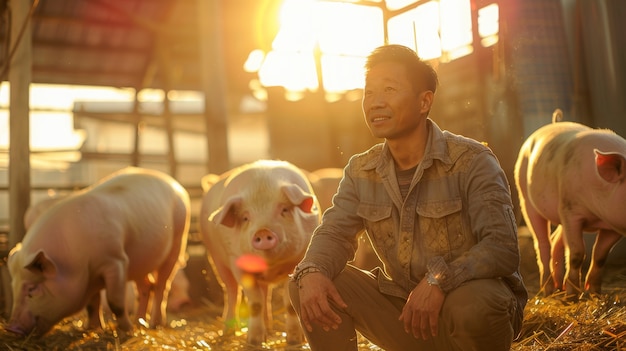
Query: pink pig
[(128, 226), (264, 212), (573, 177)]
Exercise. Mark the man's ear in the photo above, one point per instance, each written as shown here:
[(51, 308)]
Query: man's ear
[(426, 98)]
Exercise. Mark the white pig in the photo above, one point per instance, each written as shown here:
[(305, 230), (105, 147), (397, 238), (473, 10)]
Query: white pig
[(265, 210), (179, 291), (132, 225), (571, 176)]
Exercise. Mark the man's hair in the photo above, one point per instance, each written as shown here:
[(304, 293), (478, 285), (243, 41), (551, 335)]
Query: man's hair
[(420, 72)]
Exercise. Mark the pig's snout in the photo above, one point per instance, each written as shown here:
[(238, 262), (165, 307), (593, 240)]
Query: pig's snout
[(264, 240), (16, 330)]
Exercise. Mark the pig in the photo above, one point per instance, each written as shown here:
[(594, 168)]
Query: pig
[(130, 226), (178, 295), (572, 177), (264, 212)]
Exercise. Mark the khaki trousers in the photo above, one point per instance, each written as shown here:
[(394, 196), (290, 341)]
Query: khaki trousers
[(478, 315)]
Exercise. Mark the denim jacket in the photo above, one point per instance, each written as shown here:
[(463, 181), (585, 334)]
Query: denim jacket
[(458, 211)]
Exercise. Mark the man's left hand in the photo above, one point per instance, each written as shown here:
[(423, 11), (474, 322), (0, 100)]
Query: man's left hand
[(420, 314)]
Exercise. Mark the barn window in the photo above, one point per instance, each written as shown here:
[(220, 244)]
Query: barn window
[(488, 24), (323, 44)]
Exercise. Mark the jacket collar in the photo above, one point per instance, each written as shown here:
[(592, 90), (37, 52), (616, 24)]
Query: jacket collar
[(436, 148)]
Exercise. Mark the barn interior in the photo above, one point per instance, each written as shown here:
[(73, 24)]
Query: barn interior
[(192, 87)]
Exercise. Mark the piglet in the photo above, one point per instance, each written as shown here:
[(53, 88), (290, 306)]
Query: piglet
[(130, 226), (256, 222), (573, 177)]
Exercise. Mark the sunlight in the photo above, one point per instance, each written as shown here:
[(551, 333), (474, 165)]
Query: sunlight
[(456, 28), (488, 24), (418, 29), (343, 33), (309, 24), (347, 29), (292, 70), (254, 61), (49, 130), (53, 139), (63, 96), (398, 4), (52, 131)]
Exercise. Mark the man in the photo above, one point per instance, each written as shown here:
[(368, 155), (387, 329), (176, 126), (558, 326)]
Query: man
[(437, 209)]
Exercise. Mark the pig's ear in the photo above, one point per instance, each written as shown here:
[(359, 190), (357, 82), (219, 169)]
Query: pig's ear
[(305, 201), (41, 265), (610, 166), (227, 214)]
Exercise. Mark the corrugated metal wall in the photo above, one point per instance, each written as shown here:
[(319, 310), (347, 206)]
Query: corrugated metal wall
[(599, 32), (540, 61)]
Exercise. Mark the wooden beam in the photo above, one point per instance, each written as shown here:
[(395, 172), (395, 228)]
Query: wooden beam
[(19, 119), (136, 120), (212, 73)]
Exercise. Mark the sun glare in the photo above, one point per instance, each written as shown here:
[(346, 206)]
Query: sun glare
[(343, 33), (418, 29), (52, 121), (307, 25)]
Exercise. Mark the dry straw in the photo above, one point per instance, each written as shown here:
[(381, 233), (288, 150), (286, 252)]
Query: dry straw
[(550, 324)]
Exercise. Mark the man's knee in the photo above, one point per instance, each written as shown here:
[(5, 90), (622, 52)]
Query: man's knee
[(485, 300)]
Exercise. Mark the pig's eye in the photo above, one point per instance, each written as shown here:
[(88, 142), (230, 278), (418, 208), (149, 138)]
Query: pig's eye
[(285, 211), (30, 291)]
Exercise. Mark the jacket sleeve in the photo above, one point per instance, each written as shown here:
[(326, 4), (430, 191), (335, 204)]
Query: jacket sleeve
[(334, 241)]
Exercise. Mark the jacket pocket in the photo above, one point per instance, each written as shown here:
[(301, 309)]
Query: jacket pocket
[(378, 223), (441, 226)]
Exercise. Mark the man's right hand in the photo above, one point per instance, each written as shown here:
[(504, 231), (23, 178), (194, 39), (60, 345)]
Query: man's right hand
[(317, 292)]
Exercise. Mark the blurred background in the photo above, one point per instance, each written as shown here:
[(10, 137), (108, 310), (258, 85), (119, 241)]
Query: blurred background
[(192, 87)]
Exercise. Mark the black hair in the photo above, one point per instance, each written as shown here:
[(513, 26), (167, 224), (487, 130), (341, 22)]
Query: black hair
[(420, 72)]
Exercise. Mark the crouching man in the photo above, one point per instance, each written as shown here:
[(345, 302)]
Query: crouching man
[(437, 209)]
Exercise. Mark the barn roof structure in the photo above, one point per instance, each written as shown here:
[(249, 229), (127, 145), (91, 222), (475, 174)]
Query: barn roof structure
[(197, 45), (132, 43)]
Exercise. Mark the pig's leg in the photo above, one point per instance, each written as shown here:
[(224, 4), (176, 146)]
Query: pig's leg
[(145, 287), (540, 228), (179, 292), (231, 297), (94, 312), (557, 260), (115, 283), (605, 240), (165, 272), (575, 250), (257, 302), (161, 288)]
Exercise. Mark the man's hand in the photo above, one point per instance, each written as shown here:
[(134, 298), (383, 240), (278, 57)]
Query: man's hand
[(317, 292), (421, 311)]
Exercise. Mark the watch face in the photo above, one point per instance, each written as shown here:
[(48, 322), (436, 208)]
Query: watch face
[(431, 279)]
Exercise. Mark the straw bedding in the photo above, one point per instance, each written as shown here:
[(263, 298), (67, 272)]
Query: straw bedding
[(594, 323)]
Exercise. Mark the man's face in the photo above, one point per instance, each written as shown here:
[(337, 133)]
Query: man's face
[(391, 107)]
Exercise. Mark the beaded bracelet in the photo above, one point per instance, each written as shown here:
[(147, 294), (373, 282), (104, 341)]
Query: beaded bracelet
[(302, 272)]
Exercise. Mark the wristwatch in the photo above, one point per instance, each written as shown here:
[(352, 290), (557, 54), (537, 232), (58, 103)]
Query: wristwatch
[(431, 280)]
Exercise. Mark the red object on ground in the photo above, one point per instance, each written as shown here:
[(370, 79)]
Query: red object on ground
[(251, 263)]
